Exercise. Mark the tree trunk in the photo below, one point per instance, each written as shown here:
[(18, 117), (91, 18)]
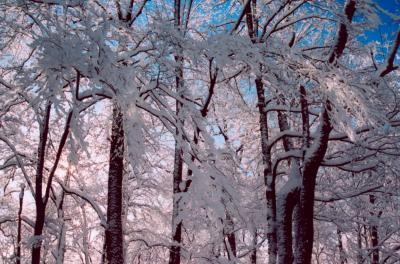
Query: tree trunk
[(373, 230), (286, 202), (359, 244), (342, 254), (312, 161), (268, 177), (114, 235), (19, 232), (40, 207), (229, 232), (62, 232), (175, 249), (288, 196), (253, 254), (85, 243)]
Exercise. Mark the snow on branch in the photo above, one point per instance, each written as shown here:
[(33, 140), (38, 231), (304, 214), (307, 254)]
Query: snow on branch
[(389, 65), (88, 199), (344, 196)]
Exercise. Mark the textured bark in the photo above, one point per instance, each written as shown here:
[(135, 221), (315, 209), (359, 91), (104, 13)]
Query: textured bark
[(270, 195), (175, 248), (315, 154), (343, 34), (114, 235), (287, 197), (267, 173), (312, 161)]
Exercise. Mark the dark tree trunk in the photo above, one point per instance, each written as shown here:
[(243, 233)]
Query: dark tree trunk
[(287, 197), (315, 154), (253, 254), (40, 207), (373, 230), (175, 248), (269, 180), (114, 234), (286, 204), (19, 232), (312, 161)]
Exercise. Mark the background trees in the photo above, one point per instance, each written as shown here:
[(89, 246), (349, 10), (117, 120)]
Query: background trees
[(199, 132)]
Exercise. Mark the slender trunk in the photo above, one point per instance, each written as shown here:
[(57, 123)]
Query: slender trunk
[(373, 230), (85, 236), (19, 232), (62, 232), (40, 207), (114, 235), (230, 235), (104, 253), (296, 230), (359, 244), (175, 249), (269, 180), (342, 254), (253, 254)]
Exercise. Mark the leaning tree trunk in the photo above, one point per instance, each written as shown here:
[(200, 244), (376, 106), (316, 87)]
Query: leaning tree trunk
[(113, 233)]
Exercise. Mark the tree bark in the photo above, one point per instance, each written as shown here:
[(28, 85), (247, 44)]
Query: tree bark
[(114, 235), (269, 180), (287, 197), (175, 248), (312, 161)]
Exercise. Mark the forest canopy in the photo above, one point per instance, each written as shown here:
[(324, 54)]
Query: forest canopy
[(199, 131)]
